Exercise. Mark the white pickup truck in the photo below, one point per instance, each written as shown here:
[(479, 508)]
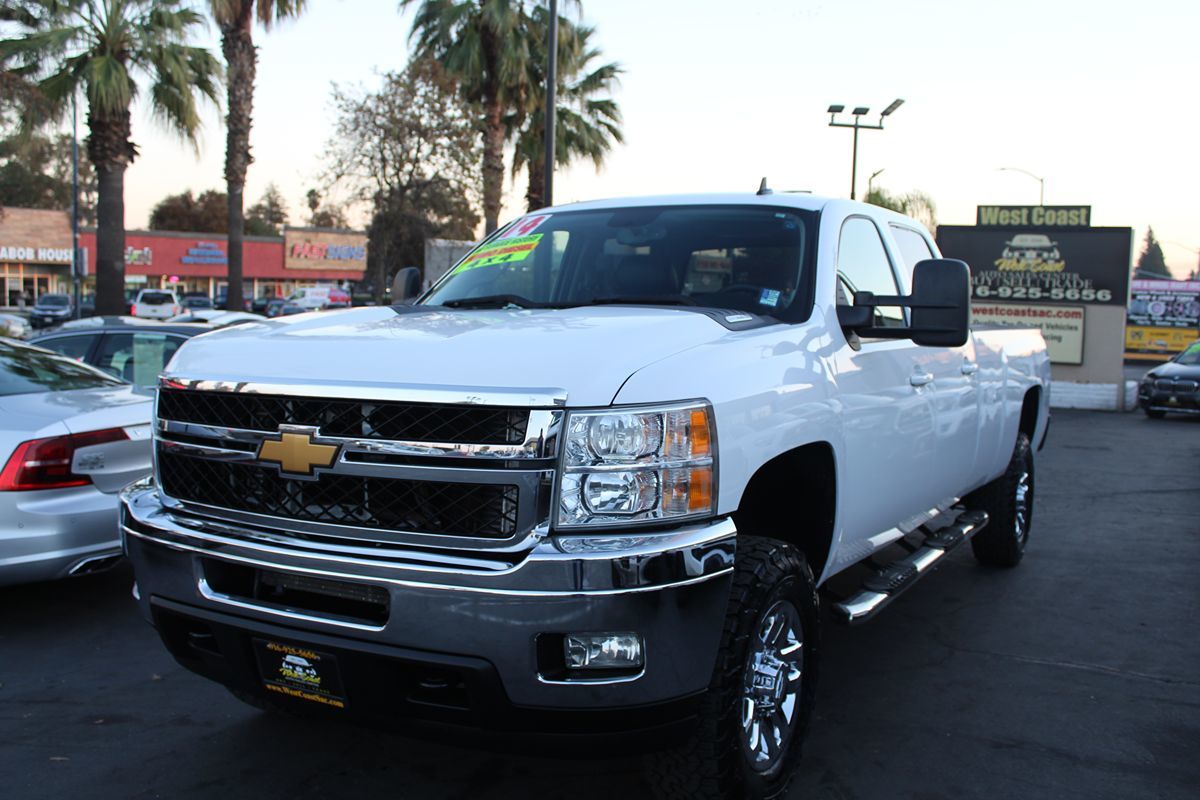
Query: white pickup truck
[(598, 479)]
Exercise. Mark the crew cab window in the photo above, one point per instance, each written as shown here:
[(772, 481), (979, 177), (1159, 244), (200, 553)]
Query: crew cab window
[(863, 266), (156, 298), (137, 357), (913, 248), (744, 258)]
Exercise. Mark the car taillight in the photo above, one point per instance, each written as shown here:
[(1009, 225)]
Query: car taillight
[(46, 463)]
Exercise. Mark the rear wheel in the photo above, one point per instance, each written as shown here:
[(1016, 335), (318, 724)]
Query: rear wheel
[(747, 739), (1008, 500)]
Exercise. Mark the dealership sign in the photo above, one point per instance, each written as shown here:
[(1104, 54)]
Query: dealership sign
[(1061, 326), (1163, 317), (1033, 216), (1087, 265)]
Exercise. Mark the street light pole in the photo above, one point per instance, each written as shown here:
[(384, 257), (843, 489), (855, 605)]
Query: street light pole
[(551, 104), (857, 124), (1041, 181), (871, 180)]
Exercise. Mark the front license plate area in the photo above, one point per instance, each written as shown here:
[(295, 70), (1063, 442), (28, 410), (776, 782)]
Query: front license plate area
[(300, 673)]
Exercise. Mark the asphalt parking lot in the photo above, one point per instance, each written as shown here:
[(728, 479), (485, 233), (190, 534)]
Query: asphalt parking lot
[(1073, 676)]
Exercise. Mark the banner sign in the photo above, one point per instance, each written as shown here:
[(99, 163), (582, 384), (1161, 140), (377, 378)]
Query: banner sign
[(1033, 216), (1061, 326), (317, 249), (1163, 318), (1089, 265)]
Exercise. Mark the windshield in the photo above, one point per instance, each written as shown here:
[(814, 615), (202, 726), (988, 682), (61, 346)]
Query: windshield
[(729, 257), (54, 300), (1190, 356), (156, 298), (25, 370)]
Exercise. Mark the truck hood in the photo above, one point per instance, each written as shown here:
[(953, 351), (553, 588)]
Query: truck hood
[(584, 354)]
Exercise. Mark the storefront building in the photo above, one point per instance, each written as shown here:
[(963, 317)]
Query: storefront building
[(35, 255), (199, 262)]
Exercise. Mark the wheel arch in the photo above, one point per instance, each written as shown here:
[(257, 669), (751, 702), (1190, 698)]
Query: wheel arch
[(793, 498)]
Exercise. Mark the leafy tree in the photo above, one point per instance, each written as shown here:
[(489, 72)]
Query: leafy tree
[(586, 126), (1151, 263), (324, 216), (183, 212), (482, 44), (269, 215), (100, 48), (915, 204), (236, 18), (35, 172), (411, 150)]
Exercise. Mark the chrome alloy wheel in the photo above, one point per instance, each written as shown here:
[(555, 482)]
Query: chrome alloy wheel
[(1022, 501), (771, 687)]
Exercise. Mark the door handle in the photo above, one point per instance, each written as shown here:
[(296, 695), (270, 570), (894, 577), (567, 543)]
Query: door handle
[(920, 378), (969, 368)]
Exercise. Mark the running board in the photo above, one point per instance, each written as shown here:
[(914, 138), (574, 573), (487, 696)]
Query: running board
[(890, 582)]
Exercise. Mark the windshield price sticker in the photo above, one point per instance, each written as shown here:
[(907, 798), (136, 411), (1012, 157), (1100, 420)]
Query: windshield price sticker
[(524, 227), (505, 251)]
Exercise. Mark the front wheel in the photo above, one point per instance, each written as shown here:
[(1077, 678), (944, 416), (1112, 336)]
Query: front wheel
[(747, 739), (1008, 500)]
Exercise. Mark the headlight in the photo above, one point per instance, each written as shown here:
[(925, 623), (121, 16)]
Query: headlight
[(637, 465)]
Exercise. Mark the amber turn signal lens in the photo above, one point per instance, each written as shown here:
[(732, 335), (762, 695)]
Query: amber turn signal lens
[(701, 443), (700, 497)]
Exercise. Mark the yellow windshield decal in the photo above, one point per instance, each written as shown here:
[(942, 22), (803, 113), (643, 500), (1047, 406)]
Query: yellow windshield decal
[(504, 251)]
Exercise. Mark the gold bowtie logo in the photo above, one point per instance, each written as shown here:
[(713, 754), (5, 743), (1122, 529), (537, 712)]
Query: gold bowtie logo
[(297, 452)]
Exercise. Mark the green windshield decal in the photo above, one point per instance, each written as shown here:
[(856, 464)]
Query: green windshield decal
[(505, 251), (1192, 349)]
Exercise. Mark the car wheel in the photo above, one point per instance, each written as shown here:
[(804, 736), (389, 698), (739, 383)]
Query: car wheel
[(748, 734), (1008, 500)]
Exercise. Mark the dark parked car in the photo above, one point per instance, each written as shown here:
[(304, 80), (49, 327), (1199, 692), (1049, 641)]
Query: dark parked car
[(51, 310), (222, 298), (131, 349), (1174, 386), (274, 306), (259, 304), (195, 300)]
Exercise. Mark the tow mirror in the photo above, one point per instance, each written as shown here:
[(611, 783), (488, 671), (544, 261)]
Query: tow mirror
[(406, 285), (940, 303)]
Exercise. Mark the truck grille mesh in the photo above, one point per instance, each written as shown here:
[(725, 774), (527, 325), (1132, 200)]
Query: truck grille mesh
[(361, 419), (451, 509)]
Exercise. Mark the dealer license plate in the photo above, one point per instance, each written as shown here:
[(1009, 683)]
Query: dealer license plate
[(299, 672), (1173, 401)]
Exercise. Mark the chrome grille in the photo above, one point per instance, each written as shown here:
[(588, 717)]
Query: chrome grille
[(365, 419)]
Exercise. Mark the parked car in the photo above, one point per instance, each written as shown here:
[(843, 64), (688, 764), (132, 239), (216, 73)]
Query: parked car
[(70, 438), (221, 300), (155, 304), (314, 298), (594, 478), (14, 326), (128, 348), (51, 310), (218, 318), (1173, 387), (259, 304), (195, 300), (275, 307), (289, 308)]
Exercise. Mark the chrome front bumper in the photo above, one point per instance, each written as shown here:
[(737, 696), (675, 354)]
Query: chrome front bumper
[(671, 587)]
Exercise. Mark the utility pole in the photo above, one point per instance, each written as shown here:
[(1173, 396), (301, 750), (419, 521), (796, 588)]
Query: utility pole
[(858, 113), (551, 103), (871, 179)]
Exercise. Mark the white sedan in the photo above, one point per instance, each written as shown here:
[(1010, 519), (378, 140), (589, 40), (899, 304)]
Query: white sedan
[(71, 437)]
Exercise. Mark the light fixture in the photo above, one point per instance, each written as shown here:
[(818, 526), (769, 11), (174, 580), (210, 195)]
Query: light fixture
[(895, 104), (860, 111), (836, 109)]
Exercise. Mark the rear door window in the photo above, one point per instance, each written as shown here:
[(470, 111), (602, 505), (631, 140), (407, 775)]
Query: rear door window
[(137, 357)]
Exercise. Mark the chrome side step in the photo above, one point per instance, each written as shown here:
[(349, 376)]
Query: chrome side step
[(890, 582)]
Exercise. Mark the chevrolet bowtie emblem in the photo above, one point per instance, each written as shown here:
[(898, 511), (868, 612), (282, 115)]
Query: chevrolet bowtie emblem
[(296, 451)]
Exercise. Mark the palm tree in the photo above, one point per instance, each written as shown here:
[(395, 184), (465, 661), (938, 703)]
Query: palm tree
[(585, 126), (235, 18), (482, 45), (101, 46)]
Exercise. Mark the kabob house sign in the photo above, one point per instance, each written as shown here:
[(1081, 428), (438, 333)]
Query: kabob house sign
[(1039, 266)]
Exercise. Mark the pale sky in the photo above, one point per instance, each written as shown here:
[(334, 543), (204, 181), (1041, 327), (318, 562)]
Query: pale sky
[(1097, 97)]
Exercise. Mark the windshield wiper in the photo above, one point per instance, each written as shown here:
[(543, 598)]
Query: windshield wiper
[(495, 301), (642, 300)]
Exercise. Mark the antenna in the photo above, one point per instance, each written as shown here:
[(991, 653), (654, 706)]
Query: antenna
[(763, 188)]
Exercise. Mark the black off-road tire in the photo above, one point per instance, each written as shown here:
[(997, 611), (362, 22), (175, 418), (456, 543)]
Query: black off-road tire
[(1153, 414), (1002, 542), (713, 763)]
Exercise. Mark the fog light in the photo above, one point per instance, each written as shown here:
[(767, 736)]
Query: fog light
[(602, 650)]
